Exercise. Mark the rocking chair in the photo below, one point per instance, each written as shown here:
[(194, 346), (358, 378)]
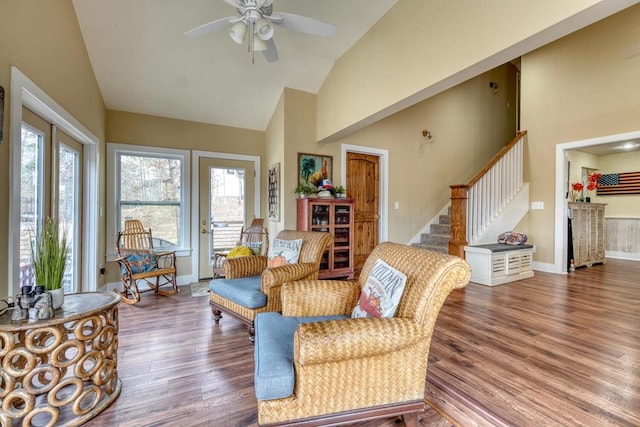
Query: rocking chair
[(140, 262)]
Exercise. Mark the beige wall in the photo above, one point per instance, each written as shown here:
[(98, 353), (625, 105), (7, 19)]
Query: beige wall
[(42, 39), (470, 124), (274, 153), (579, 87), (418, 44), (627, 206), (141, 129)]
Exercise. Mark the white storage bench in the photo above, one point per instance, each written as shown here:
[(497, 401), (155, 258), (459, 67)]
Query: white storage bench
[(499, 263)]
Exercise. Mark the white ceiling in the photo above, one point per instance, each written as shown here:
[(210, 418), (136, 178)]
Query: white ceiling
[(144, 64)]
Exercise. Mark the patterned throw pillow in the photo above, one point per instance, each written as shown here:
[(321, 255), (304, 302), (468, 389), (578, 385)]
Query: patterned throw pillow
[(284, 252), (512, 238), (239, 251), (381, 293), (140, 260)]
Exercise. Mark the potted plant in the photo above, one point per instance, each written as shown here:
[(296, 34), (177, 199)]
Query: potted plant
[(49, 257), (341, 192), (303, 190)]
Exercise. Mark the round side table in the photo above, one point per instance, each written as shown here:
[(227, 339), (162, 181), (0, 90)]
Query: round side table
[(60, 371)]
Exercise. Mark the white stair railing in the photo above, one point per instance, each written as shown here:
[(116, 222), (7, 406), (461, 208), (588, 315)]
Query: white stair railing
[(475, 205), (494, 190)]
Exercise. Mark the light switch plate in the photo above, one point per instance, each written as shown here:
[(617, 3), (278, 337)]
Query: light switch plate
[(537, 205)]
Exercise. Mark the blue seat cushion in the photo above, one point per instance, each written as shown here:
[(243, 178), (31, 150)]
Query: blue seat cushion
[(274, 376), (244, 291)]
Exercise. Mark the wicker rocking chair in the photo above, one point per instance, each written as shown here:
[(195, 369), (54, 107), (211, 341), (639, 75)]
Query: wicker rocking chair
[(139, 262)]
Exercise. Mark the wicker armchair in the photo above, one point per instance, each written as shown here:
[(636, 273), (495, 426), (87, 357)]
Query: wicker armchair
[(249, 276), (352, 369)]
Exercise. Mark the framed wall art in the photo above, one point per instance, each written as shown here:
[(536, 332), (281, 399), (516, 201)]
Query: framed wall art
[(313, 168), (273, 192)]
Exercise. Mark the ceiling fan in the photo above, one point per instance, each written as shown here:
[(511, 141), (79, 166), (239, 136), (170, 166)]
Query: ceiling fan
[(256, 22)]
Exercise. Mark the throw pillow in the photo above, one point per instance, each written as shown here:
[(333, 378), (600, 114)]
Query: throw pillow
[(256, 247), (284, 252), (512, 238), (239, 251), (381, 292), (140, 260)]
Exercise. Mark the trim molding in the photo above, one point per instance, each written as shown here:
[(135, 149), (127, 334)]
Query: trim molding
[(26, 93)]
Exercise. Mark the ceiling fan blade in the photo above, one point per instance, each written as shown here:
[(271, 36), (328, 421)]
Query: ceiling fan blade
[(303, 24), (271, 54), (211, 27)]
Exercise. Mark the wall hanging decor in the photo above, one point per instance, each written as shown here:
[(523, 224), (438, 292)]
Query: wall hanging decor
[(615, 184), (273, 192), (314, 168)]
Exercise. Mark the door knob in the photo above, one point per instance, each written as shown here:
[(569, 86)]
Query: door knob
[(204, 231)]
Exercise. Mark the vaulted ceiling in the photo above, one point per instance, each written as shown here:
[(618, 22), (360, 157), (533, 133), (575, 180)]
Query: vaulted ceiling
[(144, 63)]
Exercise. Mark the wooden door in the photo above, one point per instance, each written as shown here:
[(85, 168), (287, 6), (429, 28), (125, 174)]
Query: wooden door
[(363, 185)]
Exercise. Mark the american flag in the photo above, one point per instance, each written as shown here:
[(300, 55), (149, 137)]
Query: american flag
[(619, 183)]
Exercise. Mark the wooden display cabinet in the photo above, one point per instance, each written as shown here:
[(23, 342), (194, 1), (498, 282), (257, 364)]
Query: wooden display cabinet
[(336, 217)]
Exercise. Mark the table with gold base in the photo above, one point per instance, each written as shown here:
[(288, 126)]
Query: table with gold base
[(63, 370)]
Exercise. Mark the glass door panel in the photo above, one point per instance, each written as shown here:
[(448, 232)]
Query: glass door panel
[(69, 212), (31, 196)]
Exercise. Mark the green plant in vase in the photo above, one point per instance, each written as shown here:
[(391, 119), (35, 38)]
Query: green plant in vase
[(49, 257), (303, 190)]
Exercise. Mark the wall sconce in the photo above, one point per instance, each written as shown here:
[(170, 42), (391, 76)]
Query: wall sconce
[(427, 135), (494, 86)]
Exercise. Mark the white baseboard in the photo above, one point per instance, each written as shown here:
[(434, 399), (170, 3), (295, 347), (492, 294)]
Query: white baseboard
[(622, 255), (546, 267)]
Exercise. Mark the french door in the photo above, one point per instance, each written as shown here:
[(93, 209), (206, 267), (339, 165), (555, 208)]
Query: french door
[(50, 186), (226, 205)]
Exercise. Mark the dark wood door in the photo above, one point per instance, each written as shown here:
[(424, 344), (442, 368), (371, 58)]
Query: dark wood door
[(363, 185)]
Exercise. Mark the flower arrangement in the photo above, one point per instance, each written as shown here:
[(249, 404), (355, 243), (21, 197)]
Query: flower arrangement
[(578, 188)]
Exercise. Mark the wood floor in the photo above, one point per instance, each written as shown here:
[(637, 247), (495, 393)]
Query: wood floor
[(553, 350)]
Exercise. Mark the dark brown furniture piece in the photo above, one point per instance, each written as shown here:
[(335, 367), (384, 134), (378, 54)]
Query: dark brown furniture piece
[(336, 217)]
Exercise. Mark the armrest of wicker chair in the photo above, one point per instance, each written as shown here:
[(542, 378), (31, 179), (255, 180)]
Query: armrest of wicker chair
[(336, 340), (319, 298), (244, 266)]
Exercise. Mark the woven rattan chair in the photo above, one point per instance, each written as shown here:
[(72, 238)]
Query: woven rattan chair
[(244, 271), (139, 262), (255, 237), (352, 369)]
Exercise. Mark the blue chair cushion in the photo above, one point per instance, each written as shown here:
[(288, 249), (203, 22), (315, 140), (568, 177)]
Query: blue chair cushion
[(274, 376), (244, 291)]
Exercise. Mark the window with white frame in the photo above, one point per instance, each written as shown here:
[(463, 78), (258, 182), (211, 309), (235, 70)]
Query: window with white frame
[(151, 185)]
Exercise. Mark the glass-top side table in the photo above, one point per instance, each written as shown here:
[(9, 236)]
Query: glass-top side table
[(63, 370)]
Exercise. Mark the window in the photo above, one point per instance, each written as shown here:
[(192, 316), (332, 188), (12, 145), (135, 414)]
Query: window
[(151, 185)]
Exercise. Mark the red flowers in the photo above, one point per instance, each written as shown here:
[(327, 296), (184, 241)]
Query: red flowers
[(592, 181), (590, 184)]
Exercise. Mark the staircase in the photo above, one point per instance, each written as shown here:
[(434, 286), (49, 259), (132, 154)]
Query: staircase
[(494, 201), (439, 235)]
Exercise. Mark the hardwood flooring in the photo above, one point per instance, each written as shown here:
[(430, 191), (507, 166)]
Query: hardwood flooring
[(553, 350)]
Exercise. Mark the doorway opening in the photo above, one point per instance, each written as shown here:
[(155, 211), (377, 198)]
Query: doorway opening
[(561, 226)]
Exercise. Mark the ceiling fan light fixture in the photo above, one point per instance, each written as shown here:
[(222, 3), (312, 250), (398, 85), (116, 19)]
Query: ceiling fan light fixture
[(259, 45), (238, 32), (264, 29)]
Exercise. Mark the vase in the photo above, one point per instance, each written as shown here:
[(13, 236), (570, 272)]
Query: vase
[(57, 296)]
